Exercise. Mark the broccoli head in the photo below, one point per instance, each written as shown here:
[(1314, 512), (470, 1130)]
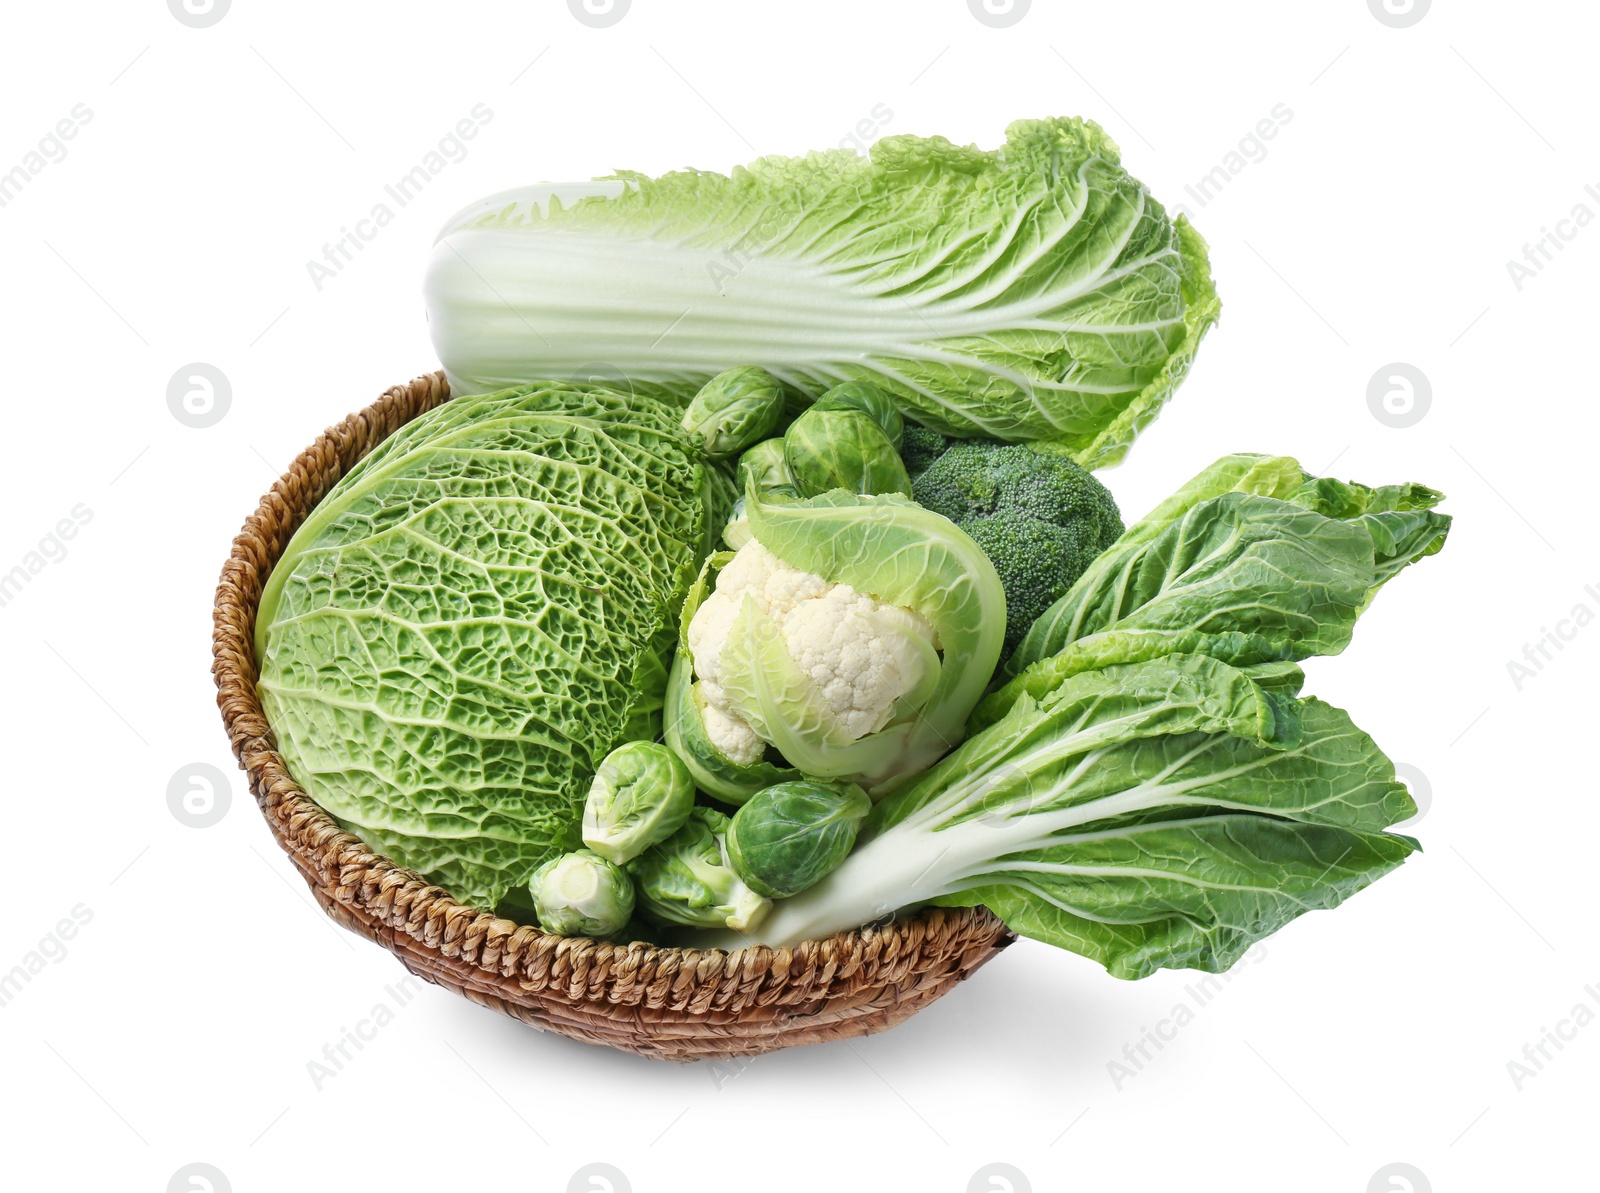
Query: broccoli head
[(919, 447), (1039, 516)]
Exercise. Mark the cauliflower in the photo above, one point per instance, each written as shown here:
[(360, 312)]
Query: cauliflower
[(863, 656), (852, 637), (736, 741)]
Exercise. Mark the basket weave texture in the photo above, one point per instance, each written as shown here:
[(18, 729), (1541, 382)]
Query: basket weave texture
[(681, 1004)]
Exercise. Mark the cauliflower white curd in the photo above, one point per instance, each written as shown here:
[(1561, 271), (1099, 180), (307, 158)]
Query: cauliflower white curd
[(862, 655)]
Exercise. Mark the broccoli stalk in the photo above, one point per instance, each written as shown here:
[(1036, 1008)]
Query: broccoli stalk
[(1039, 517)]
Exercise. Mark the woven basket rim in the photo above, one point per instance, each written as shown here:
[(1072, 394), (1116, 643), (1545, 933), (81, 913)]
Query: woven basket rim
[(385, 896)]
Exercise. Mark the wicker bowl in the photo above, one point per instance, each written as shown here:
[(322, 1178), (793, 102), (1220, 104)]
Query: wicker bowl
[(680, 1004)]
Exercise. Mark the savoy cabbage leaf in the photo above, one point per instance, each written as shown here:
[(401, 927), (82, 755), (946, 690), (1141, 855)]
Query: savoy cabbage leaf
[(475, 615)]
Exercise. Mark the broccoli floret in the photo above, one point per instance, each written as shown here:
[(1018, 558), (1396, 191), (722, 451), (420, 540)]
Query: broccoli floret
[(1039, 516), (919, 447)]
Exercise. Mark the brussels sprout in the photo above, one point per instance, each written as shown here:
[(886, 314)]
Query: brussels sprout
[(764, 467), (581, 894), (843, 448), (641, 795), (791, 835), (735, 409), (871, 401), (687, 879)]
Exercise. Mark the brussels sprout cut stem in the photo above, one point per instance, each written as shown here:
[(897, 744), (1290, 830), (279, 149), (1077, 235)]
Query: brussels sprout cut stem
[(581, 894)]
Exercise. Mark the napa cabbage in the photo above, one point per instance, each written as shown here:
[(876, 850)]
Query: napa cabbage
[(1032, 292)]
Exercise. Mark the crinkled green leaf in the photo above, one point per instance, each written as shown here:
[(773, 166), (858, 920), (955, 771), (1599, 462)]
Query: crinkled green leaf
[(1161, 814), (474, 616), (1242, 578), (1251, 561), (1227, 842)]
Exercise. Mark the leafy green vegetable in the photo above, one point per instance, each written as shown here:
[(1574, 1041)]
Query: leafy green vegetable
[(581, 894), (789, 837), (650, 684), (1196, 889), (763, 468), (474, 616), (1242, 472), (687, 879), (1240, 576), (1399, 518), (1040, 518), (640, 796), (1035, 291), (733, 410), (1149, 815), (840, 447)]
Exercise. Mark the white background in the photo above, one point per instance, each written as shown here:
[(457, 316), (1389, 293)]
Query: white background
[(178, 1026)]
